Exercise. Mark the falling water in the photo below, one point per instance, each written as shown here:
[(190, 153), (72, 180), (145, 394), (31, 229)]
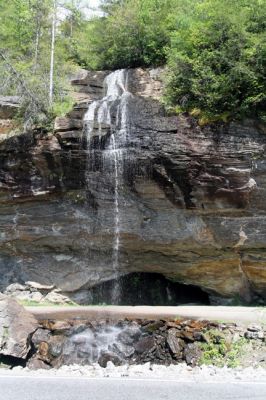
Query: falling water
[(98, 121)]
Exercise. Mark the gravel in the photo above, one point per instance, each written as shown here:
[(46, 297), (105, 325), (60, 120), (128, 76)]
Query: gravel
[(180, 372)]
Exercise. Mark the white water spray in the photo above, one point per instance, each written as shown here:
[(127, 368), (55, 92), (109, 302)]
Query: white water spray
[(98, 121)]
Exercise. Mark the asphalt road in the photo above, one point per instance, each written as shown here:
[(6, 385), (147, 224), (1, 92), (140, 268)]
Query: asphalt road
[(58, 388)]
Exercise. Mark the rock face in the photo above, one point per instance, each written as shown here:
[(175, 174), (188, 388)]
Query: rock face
[(16, 328), (191, 200)]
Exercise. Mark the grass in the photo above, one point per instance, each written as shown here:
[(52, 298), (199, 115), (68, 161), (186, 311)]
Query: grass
[(32, 303), (4, 366)]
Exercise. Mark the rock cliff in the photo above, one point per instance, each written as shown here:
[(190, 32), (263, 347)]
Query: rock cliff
[(191, 203)]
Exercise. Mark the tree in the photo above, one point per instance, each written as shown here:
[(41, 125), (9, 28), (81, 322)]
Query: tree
[(27, 37), (53, 28), (214, 50), (216, 62), (130, 33)]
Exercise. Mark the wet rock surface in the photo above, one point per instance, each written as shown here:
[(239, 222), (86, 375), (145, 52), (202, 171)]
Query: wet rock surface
[(191, 205), (122, 342)]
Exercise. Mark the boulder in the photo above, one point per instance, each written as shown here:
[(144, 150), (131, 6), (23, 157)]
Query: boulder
[(129, 335), (16, 328), (124, 350), (35, 363), (106, 357), (56, 298), (175, 344), (192, 354), (9, 106), (145, 345)]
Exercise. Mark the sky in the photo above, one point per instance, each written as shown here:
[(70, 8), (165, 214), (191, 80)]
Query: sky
[(93, 4), (91, 7)]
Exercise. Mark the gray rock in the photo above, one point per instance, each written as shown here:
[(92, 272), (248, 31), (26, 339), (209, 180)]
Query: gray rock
[(56, 344), (9, 106), (105, 358), (129, 335), (254, 328), (192, 354), (124, 350), (14, 288), (254, 335), (41, 335), (145, 344), (56, 298), (24, 292), (175, 344), (35, 363), (38, 286), (16, 327)]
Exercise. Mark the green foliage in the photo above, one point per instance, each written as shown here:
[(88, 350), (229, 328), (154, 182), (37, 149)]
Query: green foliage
[(214, 351), (236, 352), (217, 61), (214, 50), (219, 351), (25, 53), (131, 33), (33, 303)]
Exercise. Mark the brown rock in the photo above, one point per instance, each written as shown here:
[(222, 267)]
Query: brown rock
[(41, 335), (57, 327), (153, 326), (187, 335), (67, 124), (43, 349), (173, 324)]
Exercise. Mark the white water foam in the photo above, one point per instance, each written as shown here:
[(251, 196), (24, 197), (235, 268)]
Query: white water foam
[(98, 121)]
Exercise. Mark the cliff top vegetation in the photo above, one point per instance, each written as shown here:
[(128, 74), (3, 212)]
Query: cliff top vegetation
[(214, 51)]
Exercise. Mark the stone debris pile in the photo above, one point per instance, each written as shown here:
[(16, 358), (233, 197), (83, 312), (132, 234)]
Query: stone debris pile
[(58, 343)]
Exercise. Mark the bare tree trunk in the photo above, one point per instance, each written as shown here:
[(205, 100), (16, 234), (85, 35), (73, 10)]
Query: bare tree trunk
[(51, 86), (37, 40)]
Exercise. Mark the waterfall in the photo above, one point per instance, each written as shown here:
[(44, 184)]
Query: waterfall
[(109, 115)]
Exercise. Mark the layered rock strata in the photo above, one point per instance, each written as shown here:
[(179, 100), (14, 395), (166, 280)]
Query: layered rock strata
[(191, 205)]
